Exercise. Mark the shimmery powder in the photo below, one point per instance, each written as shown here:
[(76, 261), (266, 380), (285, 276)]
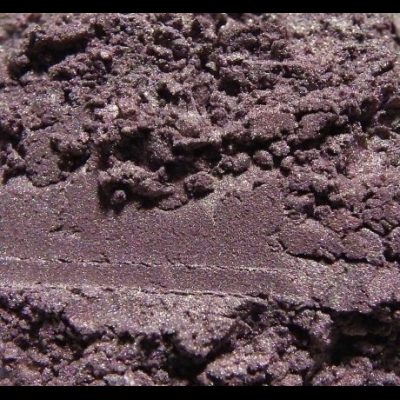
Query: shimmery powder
[(199, 199)]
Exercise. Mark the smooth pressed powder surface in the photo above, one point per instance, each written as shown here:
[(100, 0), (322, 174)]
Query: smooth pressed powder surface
[(199, 199)]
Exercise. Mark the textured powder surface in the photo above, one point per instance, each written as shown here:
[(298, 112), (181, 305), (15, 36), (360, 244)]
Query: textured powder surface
[(199, 199)]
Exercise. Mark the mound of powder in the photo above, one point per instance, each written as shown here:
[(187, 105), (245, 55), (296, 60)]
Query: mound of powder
[(199, 199)]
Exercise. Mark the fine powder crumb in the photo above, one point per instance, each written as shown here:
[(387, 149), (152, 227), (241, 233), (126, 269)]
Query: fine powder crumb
[(282, 129), (152, 100)]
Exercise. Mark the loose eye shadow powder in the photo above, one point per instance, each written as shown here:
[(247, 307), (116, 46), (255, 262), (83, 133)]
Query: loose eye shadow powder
[(199, 199)]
